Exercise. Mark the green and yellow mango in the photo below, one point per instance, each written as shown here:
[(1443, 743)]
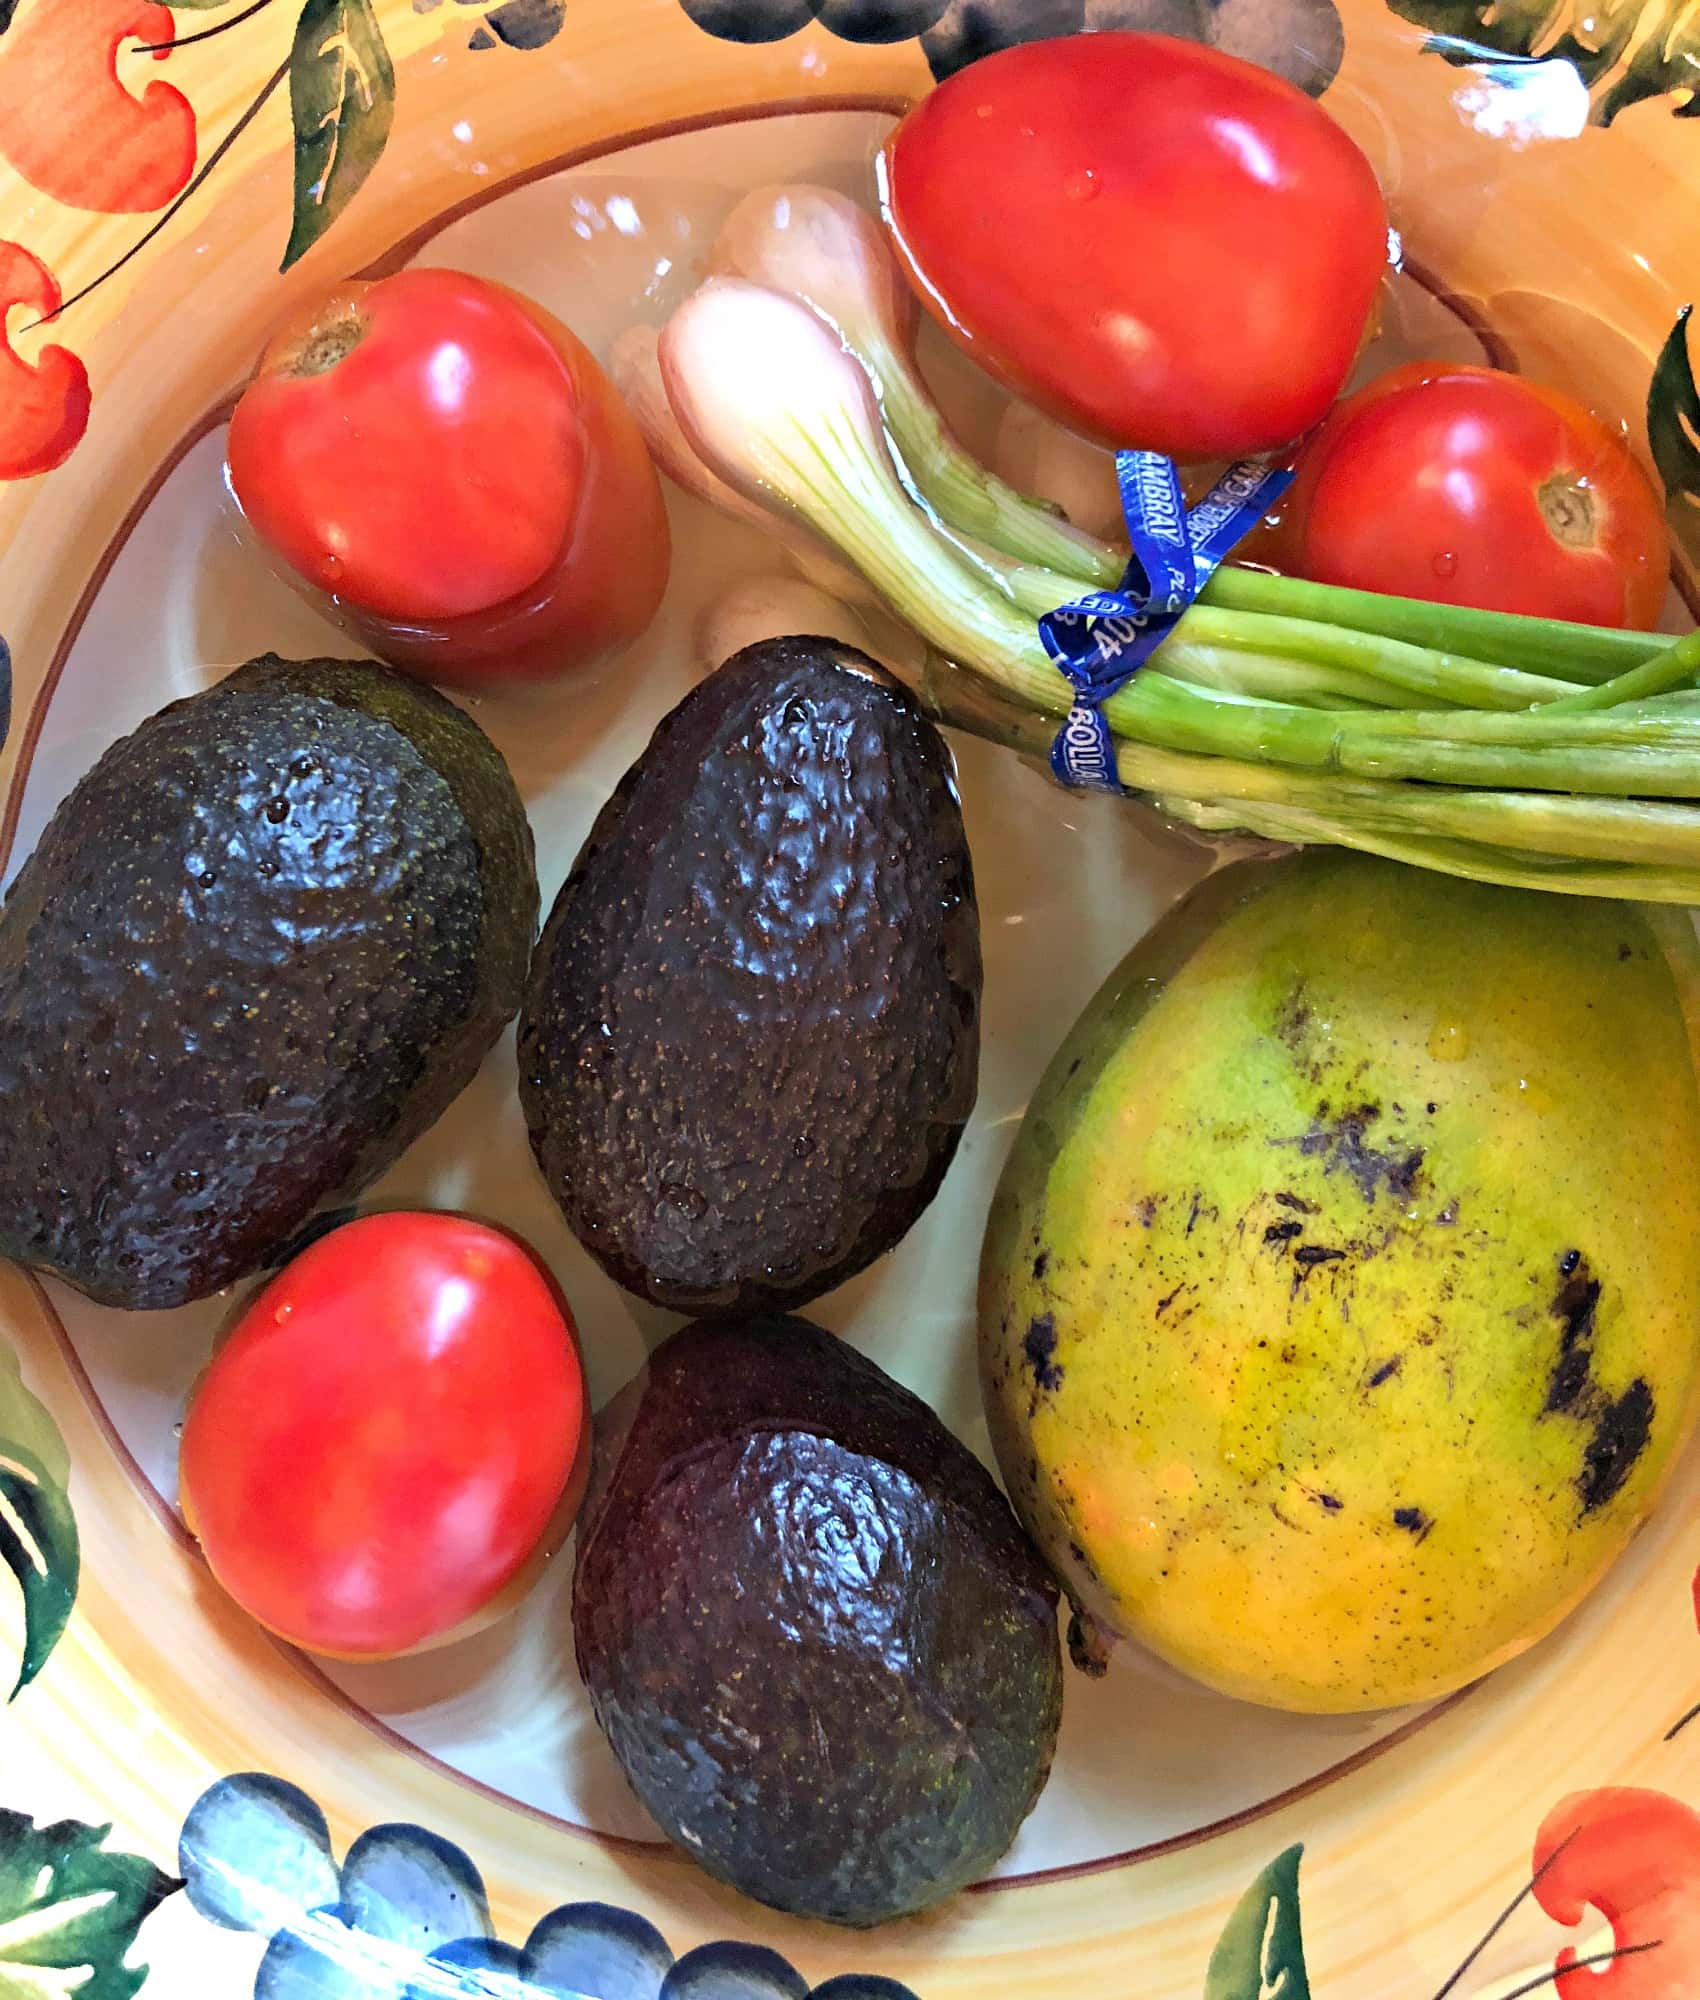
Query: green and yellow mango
[(1340, 1305)]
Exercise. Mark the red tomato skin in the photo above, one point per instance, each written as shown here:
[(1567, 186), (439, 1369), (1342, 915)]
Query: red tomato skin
[(450, 466), (1161, 245), (1428, 483), (387, 1435)]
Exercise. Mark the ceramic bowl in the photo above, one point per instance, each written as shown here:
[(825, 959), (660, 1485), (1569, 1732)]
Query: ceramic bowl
[(455, 1824)]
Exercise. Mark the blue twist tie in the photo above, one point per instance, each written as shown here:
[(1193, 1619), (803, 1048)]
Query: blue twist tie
[(1101, 641)]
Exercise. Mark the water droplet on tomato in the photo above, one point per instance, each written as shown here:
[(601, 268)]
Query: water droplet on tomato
[(330, 571), (1081, 186), (983, 110), (1445, 564), (282, 1313)]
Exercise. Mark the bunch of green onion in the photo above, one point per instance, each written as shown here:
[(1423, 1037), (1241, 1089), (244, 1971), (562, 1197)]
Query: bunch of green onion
[(1514, 750)]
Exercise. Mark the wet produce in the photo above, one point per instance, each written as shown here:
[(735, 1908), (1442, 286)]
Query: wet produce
[(259, 949), (820, 1645), (1470, 486), (1338, 1311), (1339, 1302), (1213, 238), (450, 466), (1529, 752), (392, 1439), (751, 1037)]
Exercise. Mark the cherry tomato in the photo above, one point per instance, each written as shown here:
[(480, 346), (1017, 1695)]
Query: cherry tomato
[(391, 1439), (1466, 485), (450, 464), (1161, 245)]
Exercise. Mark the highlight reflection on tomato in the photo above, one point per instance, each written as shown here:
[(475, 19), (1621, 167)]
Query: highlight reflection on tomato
[(1159, 244), (1466, 485), (451, 464), (392, 1433)]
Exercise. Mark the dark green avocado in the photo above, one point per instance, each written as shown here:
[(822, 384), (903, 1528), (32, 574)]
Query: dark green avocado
[(821, 1646), (259, 949), (751, 1037)]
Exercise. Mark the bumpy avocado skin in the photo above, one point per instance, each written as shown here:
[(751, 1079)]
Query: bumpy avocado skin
[(751, 1039), (259, 949), (823, 1650)]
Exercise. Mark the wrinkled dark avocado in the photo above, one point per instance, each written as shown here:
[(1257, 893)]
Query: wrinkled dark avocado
[(751, 1038), (259, 949), (820, 1644)]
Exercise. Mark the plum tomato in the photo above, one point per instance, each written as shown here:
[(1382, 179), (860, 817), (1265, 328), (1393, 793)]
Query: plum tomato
[(449, 464), (1465, 485), (1160, 245), (391, 1440)]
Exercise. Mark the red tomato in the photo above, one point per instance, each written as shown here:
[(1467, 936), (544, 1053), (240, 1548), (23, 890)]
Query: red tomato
[(393, 1431), (1161, 245), (1469, 486), (451, 465)]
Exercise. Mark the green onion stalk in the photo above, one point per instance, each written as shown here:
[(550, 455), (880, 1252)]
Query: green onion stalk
[(1507, 749)]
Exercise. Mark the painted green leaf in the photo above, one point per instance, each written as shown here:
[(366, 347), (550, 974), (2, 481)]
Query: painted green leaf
[(68, 1906), (1260, 1954), (1626, 52), (1673, 430), (1664, 64), (342, 95), (38, 1533)]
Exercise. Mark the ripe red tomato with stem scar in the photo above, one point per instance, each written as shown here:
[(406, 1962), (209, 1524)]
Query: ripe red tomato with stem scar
[(452, 467)]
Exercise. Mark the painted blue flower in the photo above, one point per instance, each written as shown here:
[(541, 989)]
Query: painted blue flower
[(1303, 40), (405, 1917), (854, 20), (521, 24)]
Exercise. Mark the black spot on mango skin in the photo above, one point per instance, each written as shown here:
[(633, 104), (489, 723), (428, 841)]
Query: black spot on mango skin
[(1283, 1232), (1569, 1381), (1309, 1255), (1414, 1522), (1341, 1142), (1386, 1371), (1039, 1346), (1574, 1306), (1295, 1202), (1041, 1264), (1577, 1300), (1292, 1023), (1619, 1428), (1620, 1435)]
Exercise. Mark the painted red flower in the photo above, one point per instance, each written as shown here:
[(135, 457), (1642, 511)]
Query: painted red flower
[(67, 123), (1634, 1856), (44, 405)]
